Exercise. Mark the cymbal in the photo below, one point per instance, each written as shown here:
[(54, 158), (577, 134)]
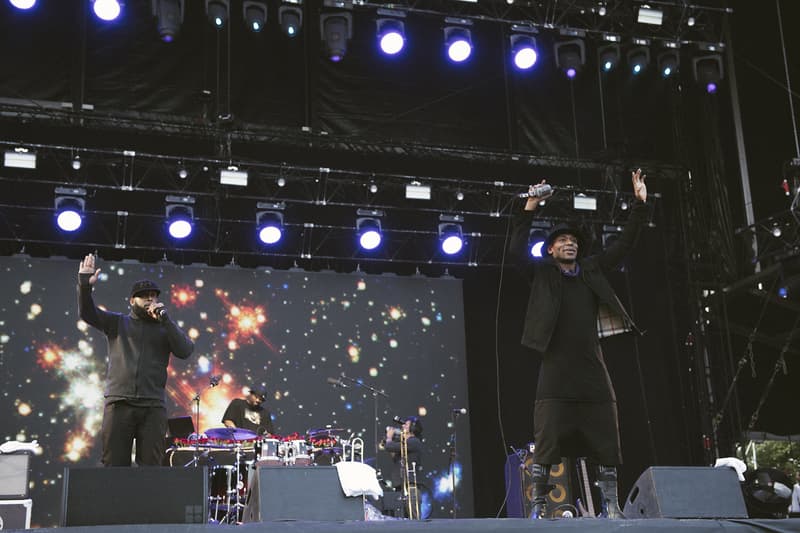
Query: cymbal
[(324, 432), (231, 433)]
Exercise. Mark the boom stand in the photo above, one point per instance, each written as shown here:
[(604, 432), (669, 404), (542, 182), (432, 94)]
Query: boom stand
[(375, 393)]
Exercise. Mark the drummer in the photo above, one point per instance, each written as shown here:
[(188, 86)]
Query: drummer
[(249, 413)]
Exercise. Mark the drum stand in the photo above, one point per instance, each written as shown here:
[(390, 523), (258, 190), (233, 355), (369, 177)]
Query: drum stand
[(234, 508)]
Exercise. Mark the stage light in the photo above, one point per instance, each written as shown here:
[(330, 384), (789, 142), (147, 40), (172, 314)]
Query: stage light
[(20, 158), (76, 162), (169, 17), (708, 71), (570, 56), (608, 56), (69, 206), (417, 191), (254, 14), (610, 235), (639, 57), (183, 172), (179, 216), (581, 202), (451, 236), (269, 222), (336, 29), (291, 19), (23, 4), (218, 12), (458, 40), (523, 49), (368, 228), (233, 176), (107, 10), (668, 62), (391, 32), (537, 238), (651, 16)]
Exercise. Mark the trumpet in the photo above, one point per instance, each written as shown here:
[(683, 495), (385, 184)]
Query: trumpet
[(409, 475)]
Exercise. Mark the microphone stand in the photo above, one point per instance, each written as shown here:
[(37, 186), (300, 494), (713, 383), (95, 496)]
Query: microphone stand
[(375, 393), (453, 455), (196, 459)]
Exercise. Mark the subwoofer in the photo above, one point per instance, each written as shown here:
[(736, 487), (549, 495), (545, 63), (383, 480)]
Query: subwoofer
[(686, 492), (127, 495)]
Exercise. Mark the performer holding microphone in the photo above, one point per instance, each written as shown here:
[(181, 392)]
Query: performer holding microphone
[(139, 347), (571, 306)]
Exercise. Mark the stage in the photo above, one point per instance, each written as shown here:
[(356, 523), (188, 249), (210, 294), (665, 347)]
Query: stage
[(505, 525)]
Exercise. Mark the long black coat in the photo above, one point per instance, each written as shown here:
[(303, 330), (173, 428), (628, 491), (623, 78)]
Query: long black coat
[(545, 296)]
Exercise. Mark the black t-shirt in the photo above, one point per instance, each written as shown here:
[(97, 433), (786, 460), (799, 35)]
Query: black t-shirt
[(573, 366), (246, 416)]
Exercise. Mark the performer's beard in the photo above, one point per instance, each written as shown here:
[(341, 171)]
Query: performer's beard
[(141, 313)]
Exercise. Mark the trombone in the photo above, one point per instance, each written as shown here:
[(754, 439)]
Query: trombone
[(409, 475)]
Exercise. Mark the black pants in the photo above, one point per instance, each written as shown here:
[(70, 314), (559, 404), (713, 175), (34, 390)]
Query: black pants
[(123, 423)]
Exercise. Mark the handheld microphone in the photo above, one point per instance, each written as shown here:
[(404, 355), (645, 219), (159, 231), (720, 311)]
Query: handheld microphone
[(161, 313), (459, 410), (543, 189), (336, 382), (398, 420), (214, 380)]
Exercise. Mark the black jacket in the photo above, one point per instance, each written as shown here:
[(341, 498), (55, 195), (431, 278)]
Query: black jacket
[(545, 296), (138, 350)]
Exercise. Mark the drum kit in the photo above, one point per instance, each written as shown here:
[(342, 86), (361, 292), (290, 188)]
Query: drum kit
[(232, 453)]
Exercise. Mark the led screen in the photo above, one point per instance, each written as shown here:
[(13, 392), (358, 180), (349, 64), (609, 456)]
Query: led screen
[(292, 332)]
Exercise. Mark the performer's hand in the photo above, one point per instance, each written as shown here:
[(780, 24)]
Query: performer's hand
[(157, 310), (87, 267), (639, 188), (533, 201)]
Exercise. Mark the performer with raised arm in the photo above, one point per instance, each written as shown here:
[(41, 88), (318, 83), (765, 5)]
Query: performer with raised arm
[(571, 306), (139, 347)]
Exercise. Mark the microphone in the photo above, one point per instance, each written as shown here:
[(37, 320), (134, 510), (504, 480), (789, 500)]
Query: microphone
[(543, 189), (459, 410), (214, 380), (336, 382), (398, 420)]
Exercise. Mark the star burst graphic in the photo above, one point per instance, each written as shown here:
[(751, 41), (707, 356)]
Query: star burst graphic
[(244, 323)]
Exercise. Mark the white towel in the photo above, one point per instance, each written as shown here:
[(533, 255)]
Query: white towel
[(358, 479), (732, 462)]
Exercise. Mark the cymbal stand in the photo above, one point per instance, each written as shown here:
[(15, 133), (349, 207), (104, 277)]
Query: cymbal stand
[(375, 393)]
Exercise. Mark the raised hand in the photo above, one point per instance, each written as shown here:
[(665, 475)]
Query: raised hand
[(533, 201), (639, 188), (88, 267)]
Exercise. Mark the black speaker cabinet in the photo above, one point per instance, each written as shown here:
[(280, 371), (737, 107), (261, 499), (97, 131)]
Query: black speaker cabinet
[(129, 495), (299, 493), (520, 489), (686, 492)]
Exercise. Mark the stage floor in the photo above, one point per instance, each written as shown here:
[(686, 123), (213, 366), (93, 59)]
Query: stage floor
[(504, 525)]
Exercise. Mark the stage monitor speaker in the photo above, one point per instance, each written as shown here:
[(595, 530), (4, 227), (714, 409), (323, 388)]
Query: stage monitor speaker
[(686, 492), (299, 493), (130, 495)]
